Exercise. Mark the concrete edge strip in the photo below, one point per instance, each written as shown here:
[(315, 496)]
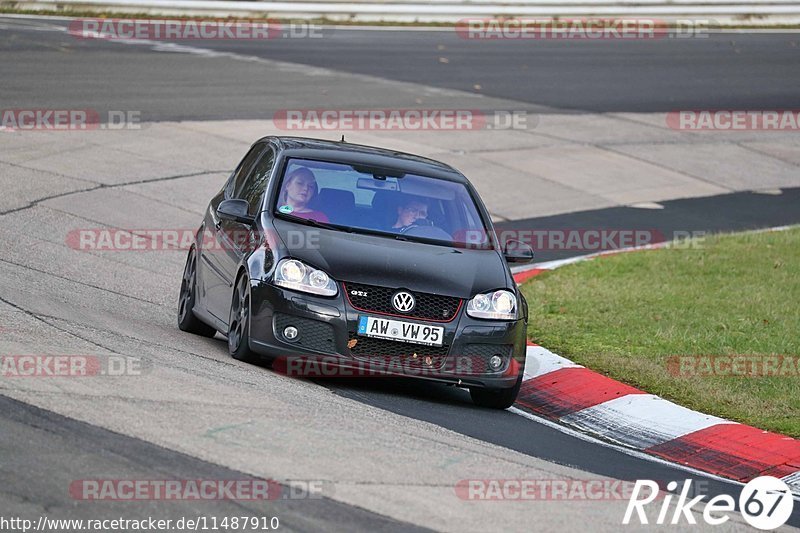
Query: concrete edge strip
[(561, 390), (406, 26), (726, 9)]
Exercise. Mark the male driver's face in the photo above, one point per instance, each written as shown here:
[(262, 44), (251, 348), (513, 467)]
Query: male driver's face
[(410, 213)]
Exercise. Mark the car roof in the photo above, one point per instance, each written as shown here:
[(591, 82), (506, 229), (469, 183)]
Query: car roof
[(309, 148)]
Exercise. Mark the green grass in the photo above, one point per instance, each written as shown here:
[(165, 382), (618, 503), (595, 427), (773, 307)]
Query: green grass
[(626, 315)]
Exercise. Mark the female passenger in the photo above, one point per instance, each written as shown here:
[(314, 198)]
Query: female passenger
[(299, 189)]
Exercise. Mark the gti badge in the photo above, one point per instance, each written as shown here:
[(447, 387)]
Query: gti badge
[(403, 301)]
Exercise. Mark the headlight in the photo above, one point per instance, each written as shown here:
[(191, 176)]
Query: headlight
[(293, 274), (497, 305), (319, 279), (291, 271)]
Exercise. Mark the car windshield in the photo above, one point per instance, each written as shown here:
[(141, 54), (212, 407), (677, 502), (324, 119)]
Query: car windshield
[(380, 201)]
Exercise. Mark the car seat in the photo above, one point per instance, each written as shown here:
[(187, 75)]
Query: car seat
[(338, 205), (384, 209)]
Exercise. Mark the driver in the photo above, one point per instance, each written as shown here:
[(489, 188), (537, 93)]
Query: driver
[(410, 213)]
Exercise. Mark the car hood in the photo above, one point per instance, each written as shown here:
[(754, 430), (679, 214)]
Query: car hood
[(374, 260)]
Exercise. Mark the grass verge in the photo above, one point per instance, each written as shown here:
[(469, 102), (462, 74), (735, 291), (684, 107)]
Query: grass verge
[(638, 317)]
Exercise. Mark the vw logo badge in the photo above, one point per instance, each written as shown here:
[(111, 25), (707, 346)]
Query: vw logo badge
[(403, 301)]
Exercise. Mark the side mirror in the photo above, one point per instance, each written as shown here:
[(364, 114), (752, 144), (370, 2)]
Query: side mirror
[(235, 210), (517, 251)]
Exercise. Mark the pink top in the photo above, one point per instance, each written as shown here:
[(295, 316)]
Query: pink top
[(319, 216)]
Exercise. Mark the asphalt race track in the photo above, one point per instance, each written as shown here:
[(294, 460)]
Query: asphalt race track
[(721, 71), (386, 454)]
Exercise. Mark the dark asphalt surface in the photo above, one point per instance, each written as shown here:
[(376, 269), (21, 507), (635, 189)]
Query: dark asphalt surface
[(52, 69), (721, 71), (739, 71), (678, 219)]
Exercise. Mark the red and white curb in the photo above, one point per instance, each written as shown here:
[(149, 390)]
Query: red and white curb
[(558, 389)]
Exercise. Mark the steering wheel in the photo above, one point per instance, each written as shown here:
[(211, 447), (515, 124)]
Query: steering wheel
[(417, 223)]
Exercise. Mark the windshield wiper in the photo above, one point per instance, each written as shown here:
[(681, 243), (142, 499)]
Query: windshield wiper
[(318, 224)]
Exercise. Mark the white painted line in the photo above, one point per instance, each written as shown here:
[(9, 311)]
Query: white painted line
[(793, 480), (617, 447), (647, 205), (540, 361), (623, 449), (558, 263), (640, 420)]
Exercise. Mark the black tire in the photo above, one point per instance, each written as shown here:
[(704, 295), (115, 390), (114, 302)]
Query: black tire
[(187, 321), (239, 323), (496, 398)]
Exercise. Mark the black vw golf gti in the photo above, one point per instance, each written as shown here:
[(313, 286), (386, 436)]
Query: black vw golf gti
[(376, 260)]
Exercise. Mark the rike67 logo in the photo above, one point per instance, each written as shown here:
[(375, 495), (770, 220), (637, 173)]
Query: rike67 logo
[(765, 503)]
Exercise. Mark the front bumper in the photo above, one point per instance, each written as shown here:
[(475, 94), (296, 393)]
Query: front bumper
[(327, 335)]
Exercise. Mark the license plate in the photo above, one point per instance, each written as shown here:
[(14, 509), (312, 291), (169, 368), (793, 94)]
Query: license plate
[(397, 330)]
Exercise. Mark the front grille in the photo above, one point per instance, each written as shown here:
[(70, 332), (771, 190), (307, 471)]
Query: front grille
[(406, 355), (433, 307), (313, 334)]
